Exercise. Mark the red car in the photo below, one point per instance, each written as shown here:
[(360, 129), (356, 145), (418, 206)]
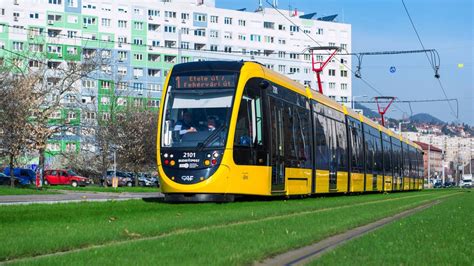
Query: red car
[(64, 177)]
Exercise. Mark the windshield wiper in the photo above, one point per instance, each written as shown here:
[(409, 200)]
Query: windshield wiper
[(210, 138)]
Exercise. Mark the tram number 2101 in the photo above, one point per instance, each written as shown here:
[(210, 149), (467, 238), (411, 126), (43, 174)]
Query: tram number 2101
[(189, 155)]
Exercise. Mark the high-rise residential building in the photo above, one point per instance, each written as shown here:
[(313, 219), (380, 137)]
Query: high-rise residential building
[(143, 39)]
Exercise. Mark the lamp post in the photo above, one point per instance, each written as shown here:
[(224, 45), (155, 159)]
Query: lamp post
[(400, 126), (353, 99)]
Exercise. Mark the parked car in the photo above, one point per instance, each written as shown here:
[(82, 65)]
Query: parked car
[(448, 184), (124, 179), (64, 177), (146, 180), (5, 180), (25, 176)]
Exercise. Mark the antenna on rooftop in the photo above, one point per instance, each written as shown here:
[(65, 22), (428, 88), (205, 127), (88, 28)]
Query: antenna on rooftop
[(260, 6)]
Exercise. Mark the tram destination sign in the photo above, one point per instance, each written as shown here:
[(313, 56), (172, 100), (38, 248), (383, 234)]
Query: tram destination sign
[(205, 81)]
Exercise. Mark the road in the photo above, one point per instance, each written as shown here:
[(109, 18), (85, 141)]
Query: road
[(75, 196)]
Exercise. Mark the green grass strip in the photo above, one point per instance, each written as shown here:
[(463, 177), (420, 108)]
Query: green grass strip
[(440, 235), (8, 191), (243, 232)]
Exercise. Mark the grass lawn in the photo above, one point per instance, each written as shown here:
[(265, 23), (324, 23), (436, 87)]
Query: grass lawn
[(7, 190), (136, 232), (95, 188), (440, 235)]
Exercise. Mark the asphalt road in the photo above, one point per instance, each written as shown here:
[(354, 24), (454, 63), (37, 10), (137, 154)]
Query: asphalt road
[(75, 196)]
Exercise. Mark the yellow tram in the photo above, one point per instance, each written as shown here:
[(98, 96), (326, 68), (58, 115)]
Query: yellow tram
[(229, 129)]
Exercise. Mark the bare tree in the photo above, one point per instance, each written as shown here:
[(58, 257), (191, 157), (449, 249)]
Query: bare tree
[(16, 102), (137, 138)]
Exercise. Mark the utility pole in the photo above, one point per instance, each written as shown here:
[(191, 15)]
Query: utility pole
[(429, 162)]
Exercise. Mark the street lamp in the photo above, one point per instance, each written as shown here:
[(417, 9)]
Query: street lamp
[(354, 97), (400, 126)]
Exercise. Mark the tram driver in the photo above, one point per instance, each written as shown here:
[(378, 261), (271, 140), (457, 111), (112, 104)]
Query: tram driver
[(185, 125)]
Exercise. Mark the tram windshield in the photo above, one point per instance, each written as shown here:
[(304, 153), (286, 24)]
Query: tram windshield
[(197, 110)]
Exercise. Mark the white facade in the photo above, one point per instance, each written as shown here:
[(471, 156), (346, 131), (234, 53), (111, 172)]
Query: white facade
[(187, 30)]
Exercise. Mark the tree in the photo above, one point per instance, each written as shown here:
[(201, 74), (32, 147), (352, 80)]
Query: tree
[(137, 139), (46, 86), (16, 102)]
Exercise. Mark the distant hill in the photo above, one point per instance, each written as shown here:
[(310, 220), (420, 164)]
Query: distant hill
[(425, 118), (367, 111)]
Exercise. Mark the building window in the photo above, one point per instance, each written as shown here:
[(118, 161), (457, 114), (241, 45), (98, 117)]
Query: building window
[(242, 37), (55, 2), (228, 35), (319, 31), (153, 13), (185, 16), (105, 84), (269, 25), (138, 25), (255, 38), (228, 21), (242, 22), (213, 33), (200, 32), (170, 14), (332, 85), (170, 29), (343, 86), (154, 87), (138, 72), (200, 17), (332, 72), (106, 22), (138, 41), (122, 55), (105, 100), (294, 28), (214, 19), (122, 24), (343, 73), (138, 57)]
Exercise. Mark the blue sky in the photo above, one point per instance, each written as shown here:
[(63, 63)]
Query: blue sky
[(382, 25)]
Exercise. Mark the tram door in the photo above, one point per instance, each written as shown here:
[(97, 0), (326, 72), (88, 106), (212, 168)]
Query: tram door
[(277, 160)]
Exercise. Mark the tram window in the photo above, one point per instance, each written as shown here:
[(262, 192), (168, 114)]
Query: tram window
[(249, 132), (369, 152), (321, 142), (387, 158), (356, 146), (341, 146)]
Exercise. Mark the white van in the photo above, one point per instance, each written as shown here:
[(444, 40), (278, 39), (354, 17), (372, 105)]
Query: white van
[(466, 181)]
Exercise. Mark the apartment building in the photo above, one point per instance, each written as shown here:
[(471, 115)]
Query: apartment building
[(142, 39)]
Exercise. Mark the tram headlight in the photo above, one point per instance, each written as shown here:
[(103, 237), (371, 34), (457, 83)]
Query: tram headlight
[(165, 155), (215, 154), (172, 162)]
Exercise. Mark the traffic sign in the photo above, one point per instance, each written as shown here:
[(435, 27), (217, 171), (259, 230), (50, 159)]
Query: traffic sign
[(393, 69)]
